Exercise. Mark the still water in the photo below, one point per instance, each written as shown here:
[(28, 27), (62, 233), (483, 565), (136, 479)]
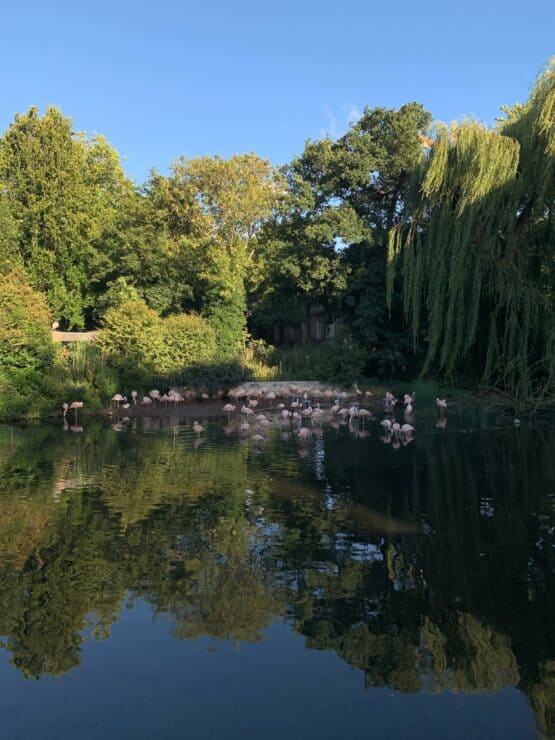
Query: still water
[(155, 582)]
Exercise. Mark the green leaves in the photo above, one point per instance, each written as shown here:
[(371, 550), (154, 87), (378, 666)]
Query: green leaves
[(66, 195), (142, 345), (479, 265)]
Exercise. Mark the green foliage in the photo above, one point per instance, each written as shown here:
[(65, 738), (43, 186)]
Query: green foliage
[(131, 337), (25, 340), (141, 345), (330, 248), (478, 258), (89, 374), (335, 361), (33, 378), (216, 376), (67, 195), (213, 210), (188, 339), (227, 319)]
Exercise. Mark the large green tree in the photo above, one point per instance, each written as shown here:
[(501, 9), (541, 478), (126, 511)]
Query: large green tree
[(478, 249), (66, 194), (331, 249), (213, 210)]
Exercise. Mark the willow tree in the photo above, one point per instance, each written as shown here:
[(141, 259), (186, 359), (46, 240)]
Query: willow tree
[(478, 247)]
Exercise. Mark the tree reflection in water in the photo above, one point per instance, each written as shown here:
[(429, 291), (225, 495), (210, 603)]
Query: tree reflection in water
[(429, 568)]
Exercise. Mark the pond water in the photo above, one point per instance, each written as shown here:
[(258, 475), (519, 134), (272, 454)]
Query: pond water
[(155, 582)]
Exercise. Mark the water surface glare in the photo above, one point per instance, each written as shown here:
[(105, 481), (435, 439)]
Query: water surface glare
[(157, 582)]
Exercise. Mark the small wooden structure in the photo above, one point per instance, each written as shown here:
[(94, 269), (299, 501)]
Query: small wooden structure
[(73, 336)]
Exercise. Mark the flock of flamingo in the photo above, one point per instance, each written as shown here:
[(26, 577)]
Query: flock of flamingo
[(295, 410)]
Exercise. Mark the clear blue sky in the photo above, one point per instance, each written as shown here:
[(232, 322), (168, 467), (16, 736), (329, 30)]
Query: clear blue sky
[(164, 78)]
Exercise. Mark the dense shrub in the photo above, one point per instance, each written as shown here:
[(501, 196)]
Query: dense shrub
[(335, 361), (187, 339), (143, 346), (216, 375), (25, 339), (89, 376), (28, 357), (132, 335), (228, 320)]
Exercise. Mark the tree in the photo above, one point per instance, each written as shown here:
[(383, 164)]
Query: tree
[(67, 195), (478, 247), (332, 246), (214, 209)]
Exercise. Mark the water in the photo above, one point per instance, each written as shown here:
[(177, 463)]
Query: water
[(159, 583)]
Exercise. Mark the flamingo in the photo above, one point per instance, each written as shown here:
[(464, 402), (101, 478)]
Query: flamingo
[(229, 408), (364, 414), (134, 397), (317, 413), (117, 398), (75, 405), (198, 428), (65, 407), (246, 410), (441, 403)]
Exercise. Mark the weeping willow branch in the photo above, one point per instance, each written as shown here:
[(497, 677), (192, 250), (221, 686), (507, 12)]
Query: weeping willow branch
[(478, 251)]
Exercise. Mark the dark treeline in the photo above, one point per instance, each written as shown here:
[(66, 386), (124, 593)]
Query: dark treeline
[(428, 255)]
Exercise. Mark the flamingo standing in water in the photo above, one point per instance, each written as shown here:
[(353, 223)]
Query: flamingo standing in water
[(441, 403), (74, 405)]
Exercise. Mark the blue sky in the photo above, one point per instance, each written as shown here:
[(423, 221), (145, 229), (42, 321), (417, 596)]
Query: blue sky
[(164, 78)]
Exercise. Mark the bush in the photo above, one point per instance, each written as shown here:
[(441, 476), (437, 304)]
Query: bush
[(334, 361), (216, 376), (187, 339), (229, 323), (28, 357), (89, 376), (25, 339), (143, 347), (132, 336)]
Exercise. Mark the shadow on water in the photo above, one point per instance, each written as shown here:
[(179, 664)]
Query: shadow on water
[(428, 567)]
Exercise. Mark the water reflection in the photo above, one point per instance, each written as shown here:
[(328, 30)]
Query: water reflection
[(428, 567)]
